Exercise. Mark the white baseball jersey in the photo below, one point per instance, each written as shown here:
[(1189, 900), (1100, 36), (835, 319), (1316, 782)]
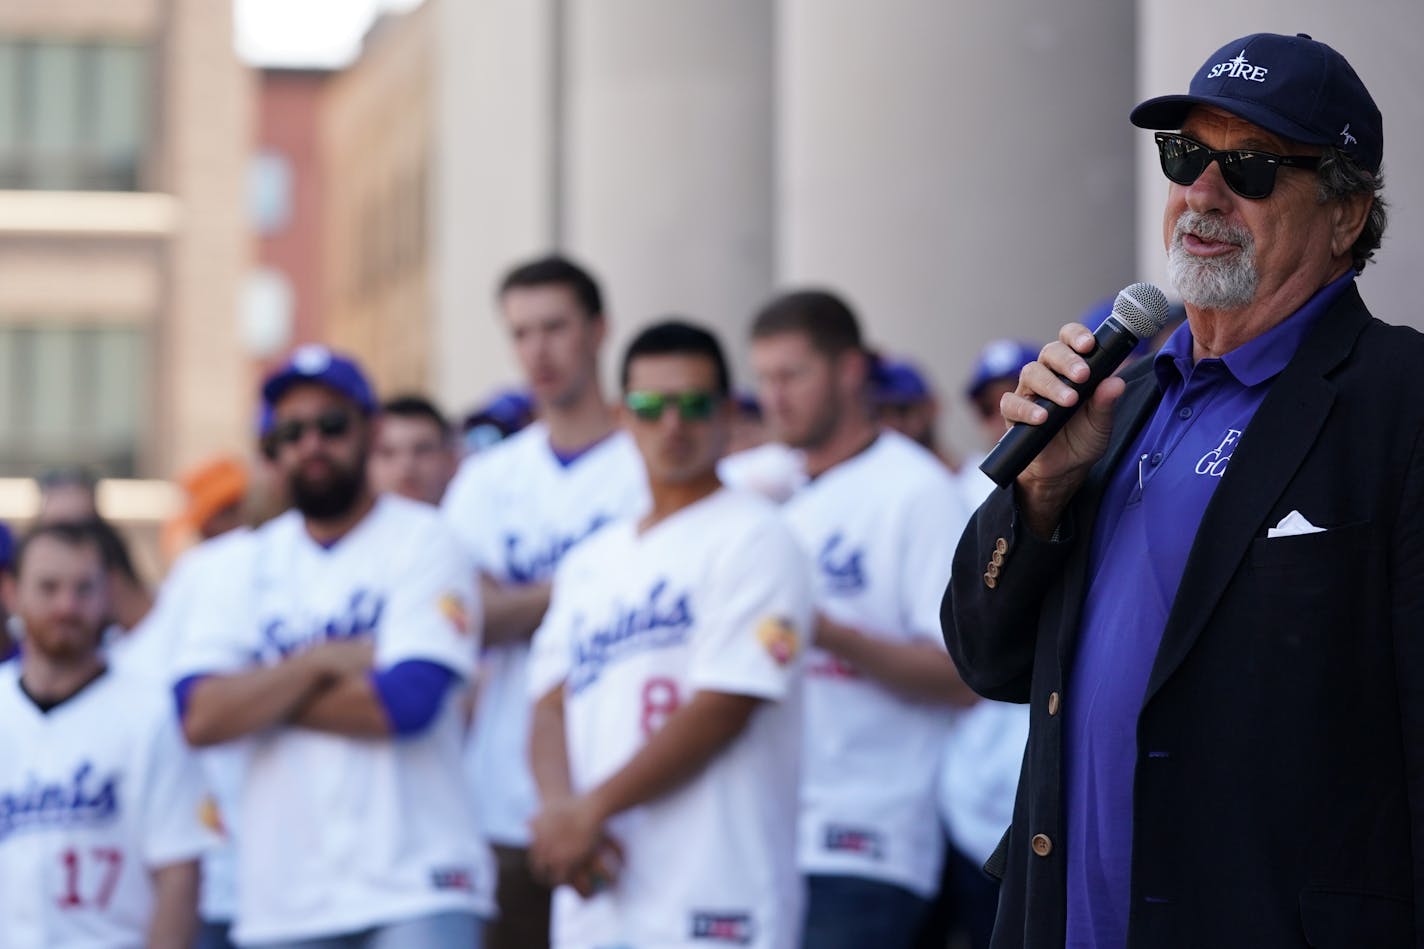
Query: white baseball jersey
[(716, 597), (517, 510), (881, 528), (340, 834), (95, 795), (150, 650)]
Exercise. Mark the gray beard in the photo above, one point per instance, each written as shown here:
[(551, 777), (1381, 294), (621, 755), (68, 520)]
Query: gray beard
[(1212, 283)]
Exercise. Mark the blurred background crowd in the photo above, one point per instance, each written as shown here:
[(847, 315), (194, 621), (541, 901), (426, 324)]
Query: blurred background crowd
[(181, 209)]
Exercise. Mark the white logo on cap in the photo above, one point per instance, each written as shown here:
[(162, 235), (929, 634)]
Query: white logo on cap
[(1347, 137), (1239, 68), (311, 359)]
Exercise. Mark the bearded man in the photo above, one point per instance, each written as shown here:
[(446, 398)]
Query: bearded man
[(1209, 586), (335, 656)]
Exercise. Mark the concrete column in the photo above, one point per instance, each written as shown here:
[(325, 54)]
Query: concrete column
[(668, 158), (494, 190), (1380, 41), (959, 172)]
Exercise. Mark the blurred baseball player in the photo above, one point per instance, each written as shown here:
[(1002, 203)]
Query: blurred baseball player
[(99, 797), (336, 653), (518, 508), (880, 517), (217, 491), (414, 455), (667, 730)]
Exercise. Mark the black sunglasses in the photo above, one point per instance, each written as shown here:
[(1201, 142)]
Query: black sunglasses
[(333, 423), (1249, 173), (692, 406)]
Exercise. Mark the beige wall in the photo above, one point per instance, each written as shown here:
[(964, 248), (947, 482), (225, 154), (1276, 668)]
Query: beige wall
[(1380, 39), (377, 148), (171, 259), (496, 175), (207, 391)]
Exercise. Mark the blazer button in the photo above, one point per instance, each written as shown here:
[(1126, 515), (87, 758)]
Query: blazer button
[(990, 582), (997, 560), (1001, 546), (1054, 701), (1042, 845), (993, 571)]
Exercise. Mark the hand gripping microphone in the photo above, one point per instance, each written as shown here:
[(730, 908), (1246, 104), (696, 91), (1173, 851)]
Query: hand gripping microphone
[(1138, 313)]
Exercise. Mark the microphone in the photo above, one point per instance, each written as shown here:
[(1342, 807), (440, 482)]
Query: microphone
[(1138, 313)]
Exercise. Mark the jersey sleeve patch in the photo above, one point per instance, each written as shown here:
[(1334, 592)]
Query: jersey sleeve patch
[(453, 608), (778, 637)]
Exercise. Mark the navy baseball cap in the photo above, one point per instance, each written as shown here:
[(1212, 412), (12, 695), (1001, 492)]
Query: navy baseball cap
[(319, 365), (897, 382), (1001, 359), (1294, 86)]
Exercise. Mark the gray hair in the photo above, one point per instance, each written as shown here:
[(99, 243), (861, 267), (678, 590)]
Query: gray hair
[(1341, 177)]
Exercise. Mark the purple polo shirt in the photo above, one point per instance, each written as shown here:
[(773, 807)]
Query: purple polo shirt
[(1144, 531)]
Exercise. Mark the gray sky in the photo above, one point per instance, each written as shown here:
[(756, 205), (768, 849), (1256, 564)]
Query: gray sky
[(305, 32)]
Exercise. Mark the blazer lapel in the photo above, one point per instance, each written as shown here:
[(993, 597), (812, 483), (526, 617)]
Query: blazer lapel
[(1271, 450)]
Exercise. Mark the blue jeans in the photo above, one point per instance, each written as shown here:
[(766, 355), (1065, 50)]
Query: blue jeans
[(213, 935), (855, 913), (437, 931)]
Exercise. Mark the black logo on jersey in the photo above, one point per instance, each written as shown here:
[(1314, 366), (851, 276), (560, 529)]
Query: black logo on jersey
[(83, 799), (843, 569), (663, 620), (533, 561), (453, 878), (841, 839), (734, 929), (282, 636)]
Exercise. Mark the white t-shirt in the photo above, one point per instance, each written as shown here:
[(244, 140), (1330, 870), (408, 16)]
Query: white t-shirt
[(95, 795), (150, 650), (984, 751), (517, 510), (716, 597), (340, 834), (881, 528)]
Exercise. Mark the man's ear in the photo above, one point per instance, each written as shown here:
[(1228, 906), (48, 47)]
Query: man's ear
[(1348, 221), (9, 594), (852, 369)]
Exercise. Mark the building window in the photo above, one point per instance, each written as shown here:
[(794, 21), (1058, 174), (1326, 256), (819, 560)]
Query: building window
[(269, 192), (74, 395), (73, 116)]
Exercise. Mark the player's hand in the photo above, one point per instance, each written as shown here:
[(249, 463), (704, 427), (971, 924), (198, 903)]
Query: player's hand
[(602, 870), (1051, 479), (566, 835), (833, 637)]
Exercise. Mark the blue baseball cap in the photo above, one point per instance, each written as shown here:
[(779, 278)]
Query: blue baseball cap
[(7, 547), (898, 382), (1294, 86), (1001, 359), (319, 365)]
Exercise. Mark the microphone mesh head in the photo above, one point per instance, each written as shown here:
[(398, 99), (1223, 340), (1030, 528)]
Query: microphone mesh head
[(1142, 308)]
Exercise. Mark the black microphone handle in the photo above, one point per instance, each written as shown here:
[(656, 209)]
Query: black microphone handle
[(1022, 443)]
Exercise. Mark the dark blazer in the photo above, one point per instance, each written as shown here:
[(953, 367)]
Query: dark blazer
[(1282, 803)]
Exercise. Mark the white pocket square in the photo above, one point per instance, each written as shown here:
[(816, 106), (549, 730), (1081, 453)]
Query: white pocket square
[(1292, 524)]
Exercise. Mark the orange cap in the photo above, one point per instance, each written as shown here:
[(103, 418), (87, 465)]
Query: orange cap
[(212, 487)]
